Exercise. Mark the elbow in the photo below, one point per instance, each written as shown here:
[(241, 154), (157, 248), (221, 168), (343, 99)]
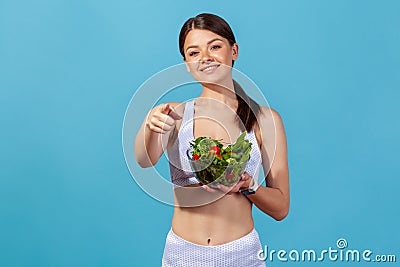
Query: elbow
[(280, 216), (146, 163), (282, 213)]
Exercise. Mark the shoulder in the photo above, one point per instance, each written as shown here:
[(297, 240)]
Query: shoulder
[(269, 115), (270, 111), (268, 119)]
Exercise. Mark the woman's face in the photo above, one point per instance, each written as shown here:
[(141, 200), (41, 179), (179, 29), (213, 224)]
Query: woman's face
[(208, 56)]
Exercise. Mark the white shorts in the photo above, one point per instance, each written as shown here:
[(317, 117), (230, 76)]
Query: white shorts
[(179, 252)]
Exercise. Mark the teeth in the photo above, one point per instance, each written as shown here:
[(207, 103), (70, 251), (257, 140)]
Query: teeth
[(210, 68)]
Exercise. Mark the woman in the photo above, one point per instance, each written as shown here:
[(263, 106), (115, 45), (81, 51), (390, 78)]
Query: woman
[(214, 227)]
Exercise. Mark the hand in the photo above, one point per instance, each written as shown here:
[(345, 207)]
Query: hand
[(245, 182), (162, 119)]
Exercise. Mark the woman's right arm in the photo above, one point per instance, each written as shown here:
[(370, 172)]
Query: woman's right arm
[(153, 136)]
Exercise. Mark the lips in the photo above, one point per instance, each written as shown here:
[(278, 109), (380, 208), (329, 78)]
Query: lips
[(209, 68)]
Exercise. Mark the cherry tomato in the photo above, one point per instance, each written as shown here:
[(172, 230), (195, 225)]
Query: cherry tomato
[(216, 149)]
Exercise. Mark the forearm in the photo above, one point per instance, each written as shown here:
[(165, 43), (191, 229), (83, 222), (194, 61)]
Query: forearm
[(272, 201), (149, 146)]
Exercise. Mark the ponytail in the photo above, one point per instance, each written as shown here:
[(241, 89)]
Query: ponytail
[(248, 109)]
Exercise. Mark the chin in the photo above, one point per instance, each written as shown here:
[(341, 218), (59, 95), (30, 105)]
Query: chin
[(219, 78)]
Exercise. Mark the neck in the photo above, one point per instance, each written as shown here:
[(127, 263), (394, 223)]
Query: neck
[(224, 93)]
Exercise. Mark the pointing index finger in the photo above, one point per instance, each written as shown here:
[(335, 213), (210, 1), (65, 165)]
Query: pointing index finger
[(174, 114)]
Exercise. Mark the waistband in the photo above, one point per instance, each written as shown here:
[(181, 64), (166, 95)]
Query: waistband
[(243, 251), (253, 235)]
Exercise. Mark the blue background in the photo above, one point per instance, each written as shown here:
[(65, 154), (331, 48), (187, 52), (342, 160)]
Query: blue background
[(68, 70)]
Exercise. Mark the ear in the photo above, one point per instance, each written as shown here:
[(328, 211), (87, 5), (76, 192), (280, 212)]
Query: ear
[(235, 51)]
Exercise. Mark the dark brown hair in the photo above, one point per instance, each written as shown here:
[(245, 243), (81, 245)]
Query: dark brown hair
[(248, 109)]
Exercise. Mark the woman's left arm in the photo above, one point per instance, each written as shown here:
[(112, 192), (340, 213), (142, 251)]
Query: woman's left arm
[(273, 199)]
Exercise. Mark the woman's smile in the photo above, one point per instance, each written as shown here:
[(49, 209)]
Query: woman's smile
[(209, 69)]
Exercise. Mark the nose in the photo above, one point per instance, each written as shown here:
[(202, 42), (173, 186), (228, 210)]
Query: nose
[(206, 57)]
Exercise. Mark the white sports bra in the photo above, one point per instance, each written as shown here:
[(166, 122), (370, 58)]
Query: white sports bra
[(180, 170)]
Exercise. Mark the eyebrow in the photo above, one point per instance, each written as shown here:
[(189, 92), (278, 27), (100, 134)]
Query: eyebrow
[(209, 42)]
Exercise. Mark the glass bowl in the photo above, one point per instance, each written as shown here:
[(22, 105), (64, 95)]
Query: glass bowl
[(212, 175)]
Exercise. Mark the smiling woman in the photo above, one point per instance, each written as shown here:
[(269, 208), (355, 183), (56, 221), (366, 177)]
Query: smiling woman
[(214, 226)]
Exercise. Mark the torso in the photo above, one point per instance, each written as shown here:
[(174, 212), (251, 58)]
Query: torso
[(230, 216), (218, 222)]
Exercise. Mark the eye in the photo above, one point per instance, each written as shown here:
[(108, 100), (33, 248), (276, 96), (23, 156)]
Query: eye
[(215, 47), (193, 53)]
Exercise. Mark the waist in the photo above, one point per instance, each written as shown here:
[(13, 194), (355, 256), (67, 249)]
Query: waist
[(218, 222)]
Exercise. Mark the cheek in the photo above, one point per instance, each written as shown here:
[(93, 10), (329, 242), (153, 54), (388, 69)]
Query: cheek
[(191, 66), (226, 61), (225, 57)]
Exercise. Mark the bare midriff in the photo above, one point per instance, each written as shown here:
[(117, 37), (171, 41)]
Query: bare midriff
[(221, 220)]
